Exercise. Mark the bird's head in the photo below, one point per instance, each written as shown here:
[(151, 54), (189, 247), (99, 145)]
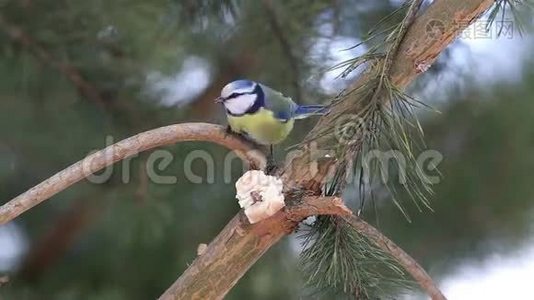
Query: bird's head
[(241, 96)]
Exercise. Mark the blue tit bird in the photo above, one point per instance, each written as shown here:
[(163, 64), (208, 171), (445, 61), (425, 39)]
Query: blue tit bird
[(261, 113)]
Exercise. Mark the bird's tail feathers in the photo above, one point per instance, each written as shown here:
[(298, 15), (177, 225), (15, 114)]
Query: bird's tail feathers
[(310, 110)]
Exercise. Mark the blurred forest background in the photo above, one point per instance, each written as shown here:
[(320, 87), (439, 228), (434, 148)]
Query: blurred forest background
[(74, 72)]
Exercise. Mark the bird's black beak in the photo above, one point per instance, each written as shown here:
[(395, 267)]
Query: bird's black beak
[(219, 100)]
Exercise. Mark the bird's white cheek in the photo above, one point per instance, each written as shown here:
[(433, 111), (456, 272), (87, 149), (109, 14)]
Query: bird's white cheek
[(240, 105)]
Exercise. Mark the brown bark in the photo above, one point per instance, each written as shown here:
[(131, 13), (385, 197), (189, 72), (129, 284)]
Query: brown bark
[(405, 260), (420, 47), (430, 33), (240, 244), (232, 253), (138, 143)]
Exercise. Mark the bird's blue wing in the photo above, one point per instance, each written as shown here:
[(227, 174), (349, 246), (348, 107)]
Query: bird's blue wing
[(305, 111), (282, 106)]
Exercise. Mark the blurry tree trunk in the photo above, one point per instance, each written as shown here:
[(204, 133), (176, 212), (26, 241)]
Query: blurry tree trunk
[(240, 245)]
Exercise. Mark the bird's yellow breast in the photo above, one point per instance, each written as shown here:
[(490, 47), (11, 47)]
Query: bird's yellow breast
[(261, 126)]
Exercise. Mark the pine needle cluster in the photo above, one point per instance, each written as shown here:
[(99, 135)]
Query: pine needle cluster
[(372, 116), (521, 11), (340, 262)]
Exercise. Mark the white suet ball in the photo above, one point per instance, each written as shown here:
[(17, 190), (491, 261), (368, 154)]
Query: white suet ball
[(260, 195)]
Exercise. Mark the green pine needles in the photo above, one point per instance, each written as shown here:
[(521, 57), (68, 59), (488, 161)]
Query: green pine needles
[(521, 11), (374, 117), (341, 262), (372, 122)]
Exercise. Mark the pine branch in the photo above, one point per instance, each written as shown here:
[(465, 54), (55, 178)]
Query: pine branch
[(420, 47), (337, 260), (520, 9), (409, 264), (141, 142), (375, 110), (209, 276), (249, 242), (239, 245), (416, 47)]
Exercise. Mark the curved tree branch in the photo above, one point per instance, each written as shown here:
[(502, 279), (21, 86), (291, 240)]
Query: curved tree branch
[(239, 240), (430, 33), (239, 245), (138, 143), (420, 47), (410, 265)]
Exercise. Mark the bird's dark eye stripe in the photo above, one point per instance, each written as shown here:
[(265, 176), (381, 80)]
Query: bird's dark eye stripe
[(234, 95)]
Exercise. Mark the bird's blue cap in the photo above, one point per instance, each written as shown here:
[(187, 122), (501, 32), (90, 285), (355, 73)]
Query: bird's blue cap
[(242, 86)]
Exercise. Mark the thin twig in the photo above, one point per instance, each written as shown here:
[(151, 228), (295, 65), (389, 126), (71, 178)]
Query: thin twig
[(392, 52), (227, 249), (405, 25), (409, 264), (141, 142), (73, 74)]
